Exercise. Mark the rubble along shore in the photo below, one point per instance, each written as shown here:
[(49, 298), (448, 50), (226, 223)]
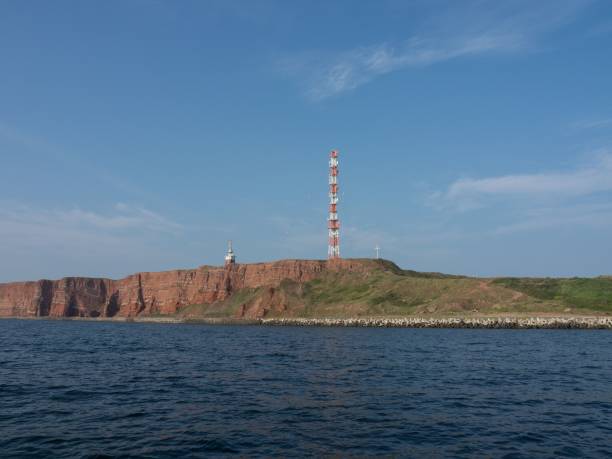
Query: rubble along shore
[(602, 323), (571, 322)]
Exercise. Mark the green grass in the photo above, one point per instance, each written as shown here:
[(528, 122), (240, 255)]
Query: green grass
[(585, 293), (220, 309), (382, 288), (386, 290)]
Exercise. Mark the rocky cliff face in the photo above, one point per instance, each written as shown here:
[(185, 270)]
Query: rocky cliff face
[(154, 293)]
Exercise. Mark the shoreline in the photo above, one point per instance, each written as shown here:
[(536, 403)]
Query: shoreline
[(483, 322), (593, 323)]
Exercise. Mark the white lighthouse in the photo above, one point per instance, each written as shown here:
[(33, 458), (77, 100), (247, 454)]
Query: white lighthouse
[(230, 257)]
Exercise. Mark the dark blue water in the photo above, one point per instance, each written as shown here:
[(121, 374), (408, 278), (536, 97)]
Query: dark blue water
[(73, 389)]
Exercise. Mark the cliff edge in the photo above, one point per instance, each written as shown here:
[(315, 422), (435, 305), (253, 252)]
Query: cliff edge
[(150, 293), (303, 288)]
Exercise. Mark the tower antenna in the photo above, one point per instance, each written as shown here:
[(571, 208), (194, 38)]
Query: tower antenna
[(333, 223)]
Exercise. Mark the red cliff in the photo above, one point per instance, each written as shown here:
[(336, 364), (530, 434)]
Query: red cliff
[(153, 293)]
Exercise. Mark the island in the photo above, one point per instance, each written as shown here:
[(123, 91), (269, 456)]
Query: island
[(356, 292)]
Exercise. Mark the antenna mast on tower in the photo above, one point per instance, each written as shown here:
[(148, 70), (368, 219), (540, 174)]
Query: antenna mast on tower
[(333, 224)]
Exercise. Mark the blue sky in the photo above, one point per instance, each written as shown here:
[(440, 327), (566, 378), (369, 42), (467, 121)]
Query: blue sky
[(475, 136)]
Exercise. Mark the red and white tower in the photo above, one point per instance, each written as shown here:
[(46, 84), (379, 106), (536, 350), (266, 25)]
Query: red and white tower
[(333, 224)]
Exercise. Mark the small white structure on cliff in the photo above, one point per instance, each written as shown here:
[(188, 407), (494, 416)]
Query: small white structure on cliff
[(230, 257)]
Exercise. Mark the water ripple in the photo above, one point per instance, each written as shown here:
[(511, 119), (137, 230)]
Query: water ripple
[(95, 390)]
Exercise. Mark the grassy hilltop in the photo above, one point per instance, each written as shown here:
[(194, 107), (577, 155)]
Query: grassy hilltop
[(386, 290)]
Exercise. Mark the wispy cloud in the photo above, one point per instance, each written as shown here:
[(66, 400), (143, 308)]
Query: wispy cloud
[(600, 123), (30, 142), (357, 67), (578, 182), (41, 147), (477, 28), (27, 226), (545, 218), (40, 242), (531, 202)]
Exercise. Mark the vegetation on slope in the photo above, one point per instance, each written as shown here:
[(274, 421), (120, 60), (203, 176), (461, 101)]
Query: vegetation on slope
[(585, 293), (383, 289), (404, 293), (221, 309)]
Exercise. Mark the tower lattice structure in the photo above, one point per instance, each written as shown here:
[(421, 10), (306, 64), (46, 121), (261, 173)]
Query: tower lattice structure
[(333, 223)]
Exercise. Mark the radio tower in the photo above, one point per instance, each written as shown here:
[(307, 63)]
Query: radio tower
[(333, 224)]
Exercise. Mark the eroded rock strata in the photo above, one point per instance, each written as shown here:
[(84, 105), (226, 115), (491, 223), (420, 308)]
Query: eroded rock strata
[(150, 293)]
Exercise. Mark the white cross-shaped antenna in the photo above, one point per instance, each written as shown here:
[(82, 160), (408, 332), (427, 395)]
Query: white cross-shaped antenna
[(377, 251)]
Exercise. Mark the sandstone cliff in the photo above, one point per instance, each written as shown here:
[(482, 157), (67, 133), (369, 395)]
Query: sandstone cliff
[(302, 288), (155, 292)]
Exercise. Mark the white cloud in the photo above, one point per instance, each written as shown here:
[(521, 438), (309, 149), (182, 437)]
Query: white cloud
[(23, 226), (579, 182), (466, 29), (533, 202), (590, 215), (354, 68)]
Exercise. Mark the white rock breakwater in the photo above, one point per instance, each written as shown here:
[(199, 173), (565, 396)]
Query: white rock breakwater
[(451, 322)]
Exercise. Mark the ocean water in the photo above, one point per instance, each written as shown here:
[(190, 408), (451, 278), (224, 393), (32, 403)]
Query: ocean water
[(96, 389)]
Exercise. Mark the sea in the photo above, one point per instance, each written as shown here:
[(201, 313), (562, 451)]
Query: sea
[(76, 389)]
